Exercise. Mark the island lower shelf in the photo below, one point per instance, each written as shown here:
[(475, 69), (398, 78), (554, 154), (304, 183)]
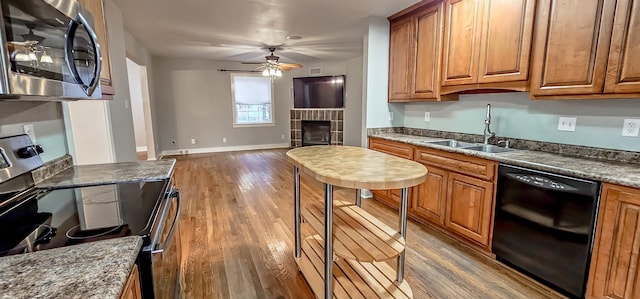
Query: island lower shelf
[(353, 279), (357, 234)]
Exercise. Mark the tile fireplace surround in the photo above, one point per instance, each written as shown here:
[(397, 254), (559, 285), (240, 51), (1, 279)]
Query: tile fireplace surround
[(334, 115)]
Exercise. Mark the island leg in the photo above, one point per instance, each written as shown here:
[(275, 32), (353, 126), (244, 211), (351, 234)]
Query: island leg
[(296, 210), (359, 197), (403, 232), (328, 241)]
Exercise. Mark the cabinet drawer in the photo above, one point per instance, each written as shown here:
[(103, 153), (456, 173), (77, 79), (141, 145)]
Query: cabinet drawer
[(397, 149), (471, 166)]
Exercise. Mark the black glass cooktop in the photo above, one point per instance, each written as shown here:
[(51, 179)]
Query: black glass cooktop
[(66, 217)]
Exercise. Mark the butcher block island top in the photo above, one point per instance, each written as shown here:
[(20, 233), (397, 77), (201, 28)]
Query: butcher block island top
[(359, 243), (356, 167)]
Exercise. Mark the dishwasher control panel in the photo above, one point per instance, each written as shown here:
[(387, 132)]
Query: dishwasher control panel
[(541, 181)]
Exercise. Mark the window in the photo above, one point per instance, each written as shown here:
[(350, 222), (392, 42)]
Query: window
[(252, 100)]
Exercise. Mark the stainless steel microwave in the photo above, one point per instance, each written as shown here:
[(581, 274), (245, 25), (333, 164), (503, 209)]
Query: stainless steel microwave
[(49, 51)]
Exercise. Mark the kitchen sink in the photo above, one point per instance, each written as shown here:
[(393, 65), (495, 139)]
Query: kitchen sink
[(491, 149), (452, 143)]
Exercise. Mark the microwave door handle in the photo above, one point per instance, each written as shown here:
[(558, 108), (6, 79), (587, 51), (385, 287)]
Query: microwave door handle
[(68, 50), (97, 58), (71, 31), (160, 247)]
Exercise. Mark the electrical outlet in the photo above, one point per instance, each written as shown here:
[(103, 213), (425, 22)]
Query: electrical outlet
[(28, 129), (224, 139), (427, 116), (390, 115), (631, 127), (567, 124), (193, 141), (282, 136)]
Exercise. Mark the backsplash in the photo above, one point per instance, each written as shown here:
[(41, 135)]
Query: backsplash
[(514, 115), (549, 147)]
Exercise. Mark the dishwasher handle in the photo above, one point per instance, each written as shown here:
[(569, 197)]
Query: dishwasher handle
[(174, 194)]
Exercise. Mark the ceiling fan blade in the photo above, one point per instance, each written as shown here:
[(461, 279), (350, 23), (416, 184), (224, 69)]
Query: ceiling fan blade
[(252, 62), (291, 65)]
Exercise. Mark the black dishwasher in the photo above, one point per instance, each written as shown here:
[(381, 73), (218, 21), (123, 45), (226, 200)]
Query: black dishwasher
[(544, 226)]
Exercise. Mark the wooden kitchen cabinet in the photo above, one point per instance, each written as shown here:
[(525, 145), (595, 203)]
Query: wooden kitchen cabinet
[(469, 209), (415, 54), (586, 49), (401, 41), (132, 288), (398, 149), (615, 258), (429, 198), (96, 7), (487, 44)]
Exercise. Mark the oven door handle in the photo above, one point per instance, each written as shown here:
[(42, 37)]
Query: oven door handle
[(174, 194)]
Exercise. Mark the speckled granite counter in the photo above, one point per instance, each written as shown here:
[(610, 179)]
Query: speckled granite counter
[(355, 167), (626, 174), (93, 270), (100, 174)]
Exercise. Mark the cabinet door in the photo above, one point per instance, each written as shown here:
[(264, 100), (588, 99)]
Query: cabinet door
[(429, 26), (97, 10), (401, 52), (461, 42), (469, 207), (615, 260), (623, 73), (132, 288), (506, 40), (571, 46), (429, 198)]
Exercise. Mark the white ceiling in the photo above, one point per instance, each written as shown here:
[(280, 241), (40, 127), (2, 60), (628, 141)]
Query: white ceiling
[(239, 30)]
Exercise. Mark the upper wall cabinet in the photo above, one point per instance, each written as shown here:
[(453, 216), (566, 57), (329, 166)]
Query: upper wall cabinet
[(586, 49), (487, 44), (96, 7), (415, 54)]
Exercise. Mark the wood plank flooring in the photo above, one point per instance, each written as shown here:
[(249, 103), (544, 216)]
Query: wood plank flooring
[(236, 237)]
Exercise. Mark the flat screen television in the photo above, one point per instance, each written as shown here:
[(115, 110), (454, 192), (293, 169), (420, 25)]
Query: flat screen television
[(319, 92)]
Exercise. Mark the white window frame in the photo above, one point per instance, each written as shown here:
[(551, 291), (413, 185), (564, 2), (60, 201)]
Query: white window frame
[(233, 103)]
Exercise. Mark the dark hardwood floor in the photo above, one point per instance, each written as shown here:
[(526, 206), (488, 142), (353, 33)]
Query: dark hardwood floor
[(236, 237)]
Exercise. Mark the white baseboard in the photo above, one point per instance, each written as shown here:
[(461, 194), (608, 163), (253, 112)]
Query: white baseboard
[(205, 150), (141, 148)]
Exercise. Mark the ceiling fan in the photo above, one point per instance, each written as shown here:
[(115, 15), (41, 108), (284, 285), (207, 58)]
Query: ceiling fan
[(272, 67)]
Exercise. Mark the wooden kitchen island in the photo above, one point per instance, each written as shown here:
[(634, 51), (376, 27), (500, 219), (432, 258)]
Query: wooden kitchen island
[(359, 244)]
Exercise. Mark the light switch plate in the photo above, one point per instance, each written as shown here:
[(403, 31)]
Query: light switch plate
[(390, 115), (427, 116), (631, 127), (567, 124)]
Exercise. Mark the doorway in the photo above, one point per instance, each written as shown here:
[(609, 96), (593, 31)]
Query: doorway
[(141, 110)]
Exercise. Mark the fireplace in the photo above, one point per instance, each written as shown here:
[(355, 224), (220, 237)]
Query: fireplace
[(316, 132), (332, 118)]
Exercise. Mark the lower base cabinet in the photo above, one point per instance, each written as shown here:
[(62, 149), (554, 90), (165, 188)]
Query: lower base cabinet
[(132, 288), (615, 262), (469, 207), (457, 196)]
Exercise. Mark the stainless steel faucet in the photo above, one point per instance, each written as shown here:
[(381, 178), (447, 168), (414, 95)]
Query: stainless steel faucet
[(487, 130)]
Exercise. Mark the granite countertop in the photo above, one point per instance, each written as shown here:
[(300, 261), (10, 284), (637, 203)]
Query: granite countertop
[(626, 174), (112, 173), (356, 167), (92, 270)]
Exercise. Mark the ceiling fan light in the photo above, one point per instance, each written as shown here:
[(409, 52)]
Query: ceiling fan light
[(278, 73), (33, 56), (265, 72), (46, 58), (272, 72)]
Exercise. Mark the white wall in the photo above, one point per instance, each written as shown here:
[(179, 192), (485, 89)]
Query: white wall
[(135, 91), (140, 55), (599, 122), (46, 118), (376, 76)]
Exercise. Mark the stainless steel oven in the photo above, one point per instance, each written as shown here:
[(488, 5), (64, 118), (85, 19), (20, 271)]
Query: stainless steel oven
[(48, 50)]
